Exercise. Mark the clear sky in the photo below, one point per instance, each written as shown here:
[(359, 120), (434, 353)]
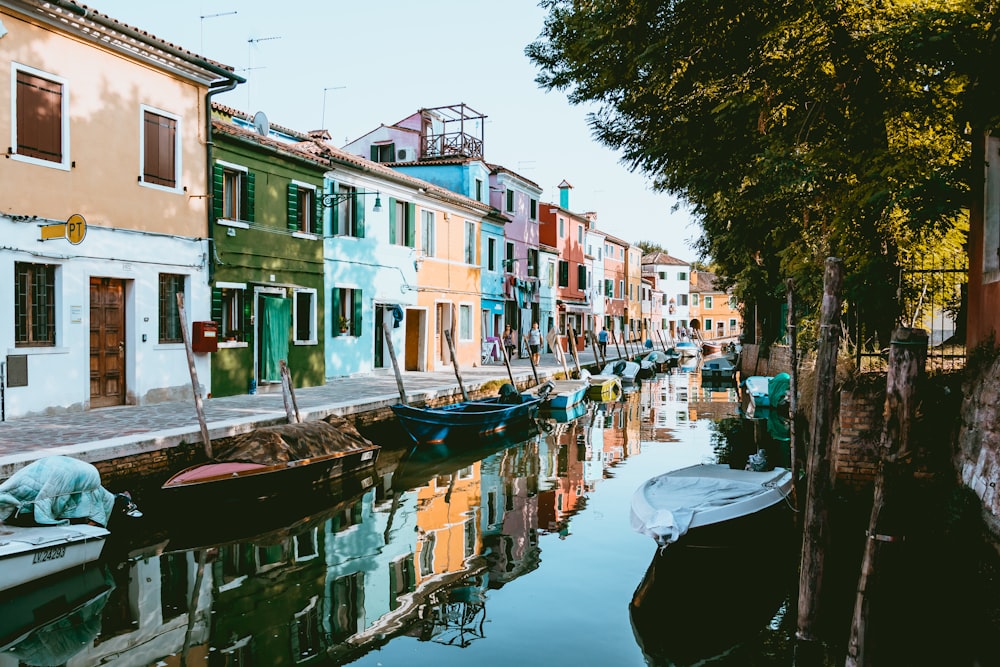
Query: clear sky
[(350, 65)]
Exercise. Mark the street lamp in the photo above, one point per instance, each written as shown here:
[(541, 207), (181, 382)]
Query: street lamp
[(333, 198)]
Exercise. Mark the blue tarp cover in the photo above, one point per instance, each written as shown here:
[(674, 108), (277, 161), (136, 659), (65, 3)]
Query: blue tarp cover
[(56, 489)]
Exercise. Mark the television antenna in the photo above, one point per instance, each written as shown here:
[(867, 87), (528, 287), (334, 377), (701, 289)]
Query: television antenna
[(201, 36), (322, 124), (250, 44)]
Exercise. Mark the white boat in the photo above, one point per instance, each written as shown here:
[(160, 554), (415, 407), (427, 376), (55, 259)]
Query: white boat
[(668, 506), (28, 553), (564, 394), (53, 518), (628, 371), (717, 368), (687, 348)]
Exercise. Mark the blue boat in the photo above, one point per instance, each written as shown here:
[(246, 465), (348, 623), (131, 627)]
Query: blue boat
[(562, 394), (468, 420)]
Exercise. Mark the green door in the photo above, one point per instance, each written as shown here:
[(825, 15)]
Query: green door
[(275, 322)]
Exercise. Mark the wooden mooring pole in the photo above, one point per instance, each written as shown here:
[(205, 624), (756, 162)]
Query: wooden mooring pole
[(793, 394), (395, 363), (572, 350), (907, 356), (288, 394), (815, 529), (454, 364), (195, 385)]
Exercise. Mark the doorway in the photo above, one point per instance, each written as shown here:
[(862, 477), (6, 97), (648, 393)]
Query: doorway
[(107, 342), (274, 322)]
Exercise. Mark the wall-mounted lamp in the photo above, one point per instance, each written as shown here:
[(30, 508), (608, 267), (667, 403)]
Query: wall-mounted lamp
[(334, 198)]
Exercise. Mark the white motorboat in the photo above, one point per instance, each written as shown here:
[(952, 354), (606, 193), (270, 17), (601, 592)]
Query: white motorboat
[(668, 506), (28, 553), (53, 518), (628, 371), (717, 368)]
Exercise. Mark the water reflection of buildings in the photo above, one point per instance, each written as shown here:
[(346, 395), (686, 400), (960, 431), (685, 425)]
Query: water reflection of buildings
[(406, 555)]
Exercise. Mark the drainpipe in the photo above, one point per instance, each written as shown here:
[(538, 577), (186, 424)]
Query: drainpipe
[(225, 85)]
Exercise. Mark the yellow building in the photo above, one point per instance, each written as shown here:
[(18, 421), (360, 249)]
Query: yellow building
[(714, 311)]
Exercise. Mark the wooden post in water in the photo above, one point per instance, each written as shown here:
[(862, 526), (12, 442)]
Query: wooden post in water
[(531, 360), (663, 343), (454, 364), (288, 394), (793, 393), (907, 356), (199, 408), (616, 346), (506, 362), (572, 350), (597, 349), (818, 474), (395, 364)]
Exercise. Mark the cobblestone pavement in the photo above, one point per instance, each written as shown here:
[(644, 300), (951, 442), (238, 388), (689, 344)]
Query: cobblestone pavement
[(107, 433)]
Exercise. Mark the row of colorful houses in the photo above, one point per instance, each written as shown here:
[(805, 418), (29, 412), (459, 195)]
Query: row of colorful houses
[(138, 212)]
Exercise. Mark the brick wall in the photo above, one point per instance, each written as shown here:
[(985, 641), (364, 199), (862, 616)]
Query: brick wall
[(977, 457), (778, 360), (856, 436)]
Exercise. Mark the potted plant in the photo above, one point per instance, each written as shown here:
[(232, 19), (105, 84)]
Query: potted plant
[(344, 324)]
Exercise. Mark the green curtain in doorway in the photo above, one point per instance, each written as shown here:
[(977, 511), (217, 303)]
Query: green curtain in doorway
[(275, 323)]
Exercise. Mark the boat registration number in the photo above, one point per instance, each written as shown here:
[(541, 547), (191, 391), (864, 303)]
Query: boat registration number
[(52, 553)]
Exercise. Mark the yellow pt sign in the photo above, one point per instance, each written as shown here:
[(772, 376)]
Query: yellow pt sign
[(73, 230)]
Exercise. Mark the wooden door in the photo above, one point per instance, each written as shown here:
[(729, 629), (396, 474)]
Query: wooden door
[(107, 342)]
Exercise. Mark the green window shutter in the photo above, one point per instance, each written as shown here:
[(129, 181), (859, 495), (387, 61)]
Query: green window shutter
[(392, 152), (373, 153), (359, 215), (318, 212), (335, 299), (217, 305), (249, 197), (248, 317), (356, 319), (217, 181), (335, 217), (411, 226), (392, 220), (293, 207)]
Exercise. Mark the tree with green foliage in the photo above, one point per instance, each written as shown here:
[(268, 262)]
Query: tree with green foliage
[(795, 131)]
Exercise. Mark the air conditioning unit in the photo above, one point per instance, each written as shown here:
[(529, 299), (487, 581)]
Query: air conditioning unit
[(406, 155)]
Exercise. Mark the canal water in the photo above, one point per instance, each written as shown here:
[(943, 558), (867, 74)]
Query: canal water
[(513, 552)]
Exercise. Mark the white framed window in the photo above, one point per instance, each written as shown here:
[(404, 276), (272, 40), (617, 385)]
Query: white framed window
[(229, 311), (427, 232), (232, 192), (303, 218), (533, 209), (708, 303), (694, 299), (40, 110), (579, 234), (510, 200), (304, 316), (562, 227), (159, 149), (346, 311), (465, 322)]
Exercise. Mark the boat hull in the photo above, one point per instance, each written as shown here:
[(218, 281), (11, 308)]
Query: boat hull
[(671, 506), (466, 420), (235, 481), (29, 553), (565, 397), (603, 388)]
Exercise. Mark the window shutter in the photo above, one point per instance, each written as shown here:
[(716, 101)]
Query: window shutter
[(356, 319), (581, 276), (335, 298), (359, 216), (249, 197), (392, 152), (293, 207), (318, 212), (373, 153), (411, 225), (217, 181), (392, 220), (247, 327), (217, 305), (335, 216)]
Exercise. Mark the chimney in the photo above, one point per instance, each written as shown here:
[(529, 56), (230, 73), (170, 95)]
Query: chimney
[(564, 188)]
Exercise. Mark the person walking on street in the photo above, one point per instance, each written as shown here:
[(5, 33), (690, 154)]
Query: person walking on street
[(509, 343), (534, 342), (602, 341)]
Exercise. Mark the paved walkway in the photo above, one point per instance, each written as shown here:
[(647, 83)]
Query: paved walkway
[(109, 433)]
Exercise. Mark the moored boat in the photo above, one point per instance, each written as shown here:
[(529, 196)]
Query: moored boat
[(562, 394), (267, 461), (710, 498), (711, 347), (718, 368), (468, 419), (604, 387), (54, 514), (628, 371), (687, 348)]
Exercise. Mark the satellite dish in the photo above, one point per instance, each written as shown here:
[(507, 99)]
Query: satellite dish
[(261, 124)]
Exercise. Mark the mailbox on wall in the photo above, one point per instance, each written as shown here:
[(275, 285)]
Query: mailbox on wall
[(205, 337)]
